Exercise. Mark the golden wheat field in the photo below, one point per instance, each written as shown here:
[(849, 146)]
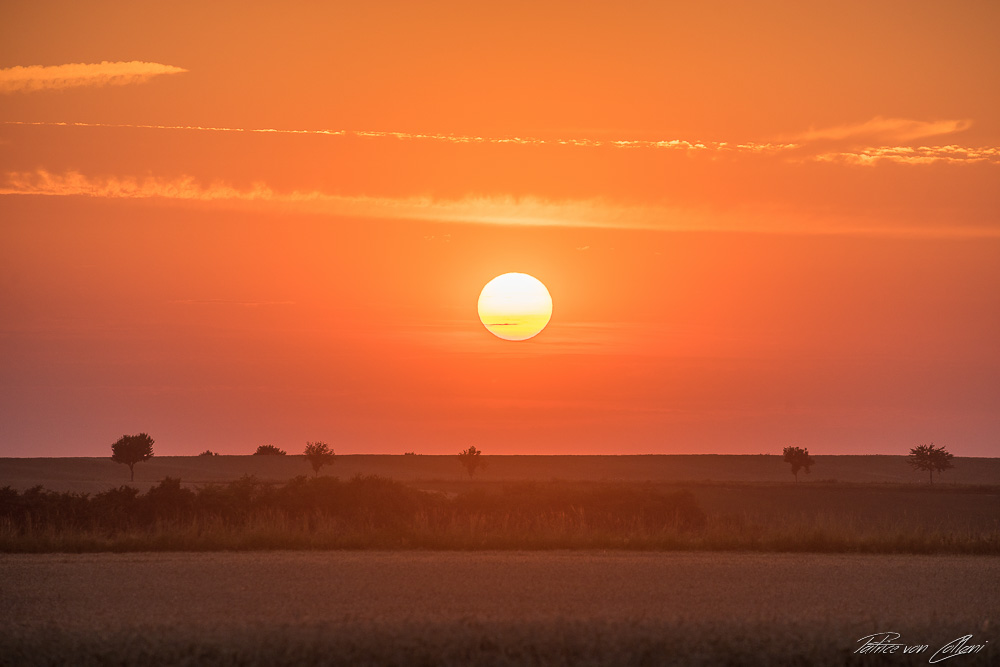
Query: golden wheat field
[(490, 608)]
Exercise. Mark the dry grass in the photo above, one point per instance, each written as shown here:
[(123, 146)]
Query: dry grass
[(511, 608)]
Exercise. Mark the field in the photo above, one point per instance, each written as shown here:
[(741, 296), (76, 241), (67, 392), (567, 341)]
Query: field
[(100, 474), (453, 608), (536, 561), (219, 507)]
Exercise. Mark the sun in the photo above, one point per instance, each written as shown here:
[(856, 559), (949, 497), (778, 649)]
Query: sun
[(515, 306)]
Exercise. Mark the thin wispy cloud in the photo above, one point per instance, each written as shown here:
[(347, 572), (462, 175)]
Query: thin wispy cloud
[(665, 144), (486, 210), (886, 130), (72, 75), (842, 144), (912, 155), (493, 210), (73, 183), (888, 140)]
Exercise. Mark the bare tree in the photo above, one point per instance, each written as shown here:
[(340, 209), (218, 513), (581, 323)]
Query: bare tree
[(318, 454), (470, 459), (132, 449), (799, 459), (930, 458)]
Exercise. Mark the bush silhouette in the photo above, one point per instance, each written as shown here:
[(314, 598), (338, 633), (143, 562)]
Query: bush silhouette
[(269, 450), (132, 449), (931, 459), (373, 509), (117, 508), (318, 454), (799, 459), (470, 459), (168, 500)]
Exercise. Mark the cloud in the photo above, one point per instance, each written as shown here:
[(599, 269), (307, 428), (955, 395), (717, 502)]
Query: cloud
[(888, 130), (71, 183), (685, 145), (841, 145), (912, 155), (492, 210), (886, 140), (502, 210), (41, 77)]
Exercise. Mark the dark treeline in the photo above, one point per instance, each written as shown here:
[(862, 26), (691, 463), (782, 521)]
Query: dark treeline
[(361, 503), (379, 513)]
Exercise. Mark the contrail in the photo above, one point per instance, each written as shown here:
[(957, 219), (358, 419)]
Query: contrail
[(914, 155), (680, 144)]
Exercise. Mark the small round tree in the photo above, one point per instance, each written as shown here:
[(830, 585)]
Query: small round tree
[(269, 450), (318, 454), (470, 459), (132, 449), (930, 458), (799, 459)]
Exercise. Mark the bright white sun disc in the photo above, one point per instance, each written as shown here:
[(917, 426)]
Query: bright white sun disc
[(515, 306)]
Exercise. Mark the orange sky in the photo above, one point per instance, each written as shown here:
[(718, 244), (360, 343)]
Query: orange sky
[(230, 224)]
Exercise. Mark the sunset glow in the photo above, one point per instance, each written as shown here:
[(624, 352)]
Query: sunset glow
[(226, 226), (535, 332)]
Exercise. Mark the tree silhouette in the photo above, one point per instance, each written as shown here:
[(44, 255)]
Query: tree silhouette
[(132, 449), (269, 450), (470, 459), (930, 458), (318, 454), (799, 459)]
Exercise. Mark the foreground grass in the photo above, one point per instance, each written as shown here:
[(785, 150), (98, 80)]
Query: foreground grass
[(377, 513), (471, 644), (489, 608)]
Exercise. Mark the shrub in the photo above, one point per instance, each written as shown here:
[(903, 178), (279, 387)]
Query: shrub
[(269, 450), (168, 501), (116, 508), (132, 449), (318, 454), (799, 459), (470, 459), (930, 459)]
